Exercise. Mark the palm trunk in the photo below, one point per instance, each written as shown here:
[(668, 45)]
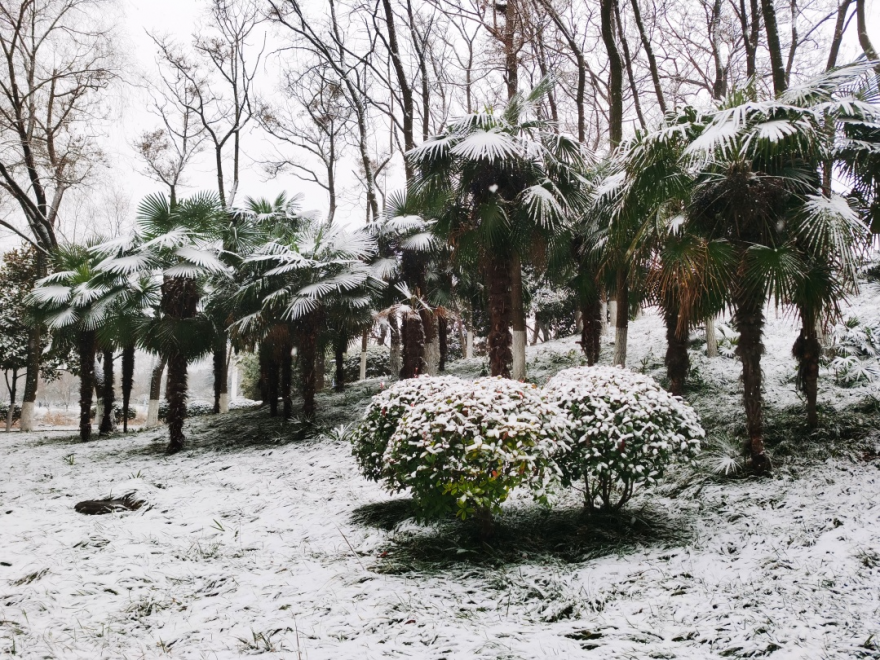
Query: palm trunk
[(320, 368), (622, 320), (127, 383), (308, 342), (34, 353), (807, 349), (272, 381), (108, 395), (394, 358), (413, 346), (499, 340), (362, 373), (263, 354), (86, 382), (749, 321), (221, 386), (155, 393), (175, 393), (591, 334), (677, 360)]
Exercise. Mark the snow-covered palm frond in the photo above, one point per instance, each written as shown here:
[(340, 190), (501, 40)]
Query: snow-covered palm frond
[(205, 259), (433, 149), (421, 242), (544, 203), (85, 293), (53, 294), (826, 84), (62, 319), (173, 238), (184, 270), (402, 224), (717, 136), (384, 269), (829, 226), (126, 265), (487, 145)]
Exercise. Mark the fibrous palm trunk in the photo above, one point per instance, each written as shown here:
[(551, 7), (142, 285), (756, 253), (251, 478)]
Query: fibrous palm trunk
[(499, 340), (677, 360), (413, 346), (394, 359), (307, 348), (13, 386), (175, 393), (749, 320), (108, 395), (807, 350), (443, 338), (86, 351), (127, 383), (591, 328)]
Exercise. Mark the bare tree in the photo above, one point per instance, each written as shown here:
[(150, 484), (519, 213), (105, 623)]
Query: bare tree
[(57, 60)]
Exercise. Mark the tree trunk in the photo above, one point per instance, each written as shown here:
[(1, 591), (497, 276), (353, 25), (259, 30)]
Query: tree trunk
[(711, 338), (413, 346), (221, 385), (272, 373), (807, 350), (287, 374), (615, 73), (864, 39), (175, 393), (499, 340), (443, 339), (612, 314), (591, 334), (518, 320), (339, 358), (308, 344), (13, 387), (155, 393), (622, 321), (108, 421), (86, 382), (768, 9), (34, 355), (677, 360), (127, 383), (432, 345), (649, 53), (749, 320), (394, 359), (362, 373)]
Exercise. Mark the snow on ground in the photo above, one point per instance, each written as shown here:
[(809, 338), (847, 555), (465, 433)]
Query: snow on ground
[(257, 543)]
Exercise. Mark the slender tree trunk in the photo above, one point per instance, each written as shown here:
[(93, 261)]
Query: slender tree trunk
[(807, 350), (622, 323), (221, 384), (864, 39), (155, 393), (615, 72), (591, 334), (432, 344), (108, 395), (768, 9), (443, 339), (612, 314), (677, 360), (287, 375), (86, 382), (499, 340), (127, 383), (394, 359), (339, 359), (711, 338), (627, 60), (175, 393), (518, 318), (749, 320), (649, 53), (13, 387), (362, 373), (34, 355), (272, 373)]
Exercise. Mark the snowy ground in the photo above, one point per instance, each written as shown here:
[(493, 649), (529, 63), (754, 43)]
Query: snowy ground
[(257, 543)]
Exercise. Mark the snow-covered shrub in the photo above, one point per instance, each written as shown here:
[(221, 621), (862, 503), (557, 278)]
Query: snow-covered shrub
[(193, 409), (727, 339), (626, 430), (378, 363), (854, 352), (466, 448), (380, 420)]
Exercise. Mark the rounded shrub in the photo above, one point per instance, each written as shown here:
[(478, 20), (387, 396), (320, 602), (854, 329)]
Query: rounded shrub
[(380, 420), (466, 448), (626, 430)]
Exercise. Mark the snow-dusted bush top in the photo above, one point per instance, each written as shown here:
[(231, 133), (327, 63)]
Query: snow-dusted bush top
[(626, 429), (466, 448), (380, 420)]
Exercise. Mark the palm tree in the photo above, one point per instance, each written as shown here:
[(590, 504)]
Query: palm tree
[(296, 278), (77, 297), (179, 247), (499, 185)]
